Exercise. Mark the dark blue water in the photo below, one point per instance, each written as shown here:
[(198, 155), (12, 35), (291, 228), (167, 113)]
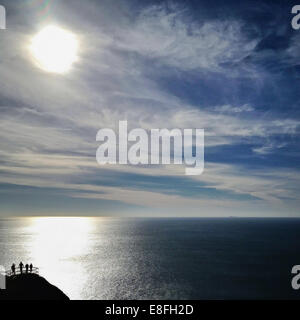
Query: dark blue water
[(222, 258), (106, 258)]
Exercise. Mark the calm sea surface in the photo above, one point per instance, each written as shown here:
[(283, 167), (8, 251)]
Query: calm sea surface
[(107, 258)]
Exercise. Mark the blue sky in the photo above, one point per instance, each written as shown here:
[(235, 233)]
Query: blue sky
[(231, 68)]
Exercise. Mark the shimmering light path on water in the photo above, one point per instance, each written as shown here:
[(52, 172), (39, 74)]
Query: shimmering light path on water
[(108, 258)]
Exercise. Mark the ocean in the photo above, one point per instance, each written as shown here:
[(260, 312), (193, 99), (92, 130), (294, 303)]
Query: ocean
[(112, 258)]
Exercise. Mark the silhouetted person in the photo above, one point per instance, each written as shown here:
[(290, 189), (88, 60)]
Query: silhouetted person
[(26, 267), (13, 268), (30, 267), (21, 267)]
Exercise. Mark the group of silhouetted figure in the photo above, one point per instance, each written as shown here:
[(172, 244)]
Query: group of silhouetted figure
[(27, 268)]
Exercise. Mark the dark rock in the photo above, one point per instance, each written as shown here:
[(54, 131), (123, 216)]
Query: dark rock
[(30, 287)]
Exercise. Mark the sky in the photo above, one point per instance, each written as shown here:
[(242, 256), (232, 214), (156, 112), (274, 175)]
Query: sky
[(228, 67)]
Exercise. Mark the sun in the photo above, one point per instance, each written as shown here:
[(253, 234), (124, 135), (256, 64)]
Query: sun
[(54, 49)]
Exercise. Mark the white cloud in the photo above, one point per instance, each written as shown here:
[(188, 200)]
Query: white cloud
[(233, 109), (187, 45)]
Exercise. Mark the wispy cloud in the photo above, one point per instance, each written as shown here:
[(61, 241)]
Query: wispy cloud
[(168, 37), (231, 109)]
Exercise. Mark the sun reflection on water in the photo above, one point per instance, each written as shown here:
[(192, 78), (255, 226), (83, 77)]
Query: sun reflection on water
[(59, 246)]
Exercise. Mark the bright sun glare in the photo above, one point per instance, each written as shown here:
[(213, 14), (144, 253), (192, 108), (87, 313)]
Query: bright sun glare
[(54, 49)]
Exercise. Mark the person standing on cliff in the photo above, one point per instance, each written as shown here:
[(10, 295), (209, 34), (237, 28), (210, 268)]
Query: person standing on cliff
[(26, 267), (21, 267), (13, 268), (30, 267)]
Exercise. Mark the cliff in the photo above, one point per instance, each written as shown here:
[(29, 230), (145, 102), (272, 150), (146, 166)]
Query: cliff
[(30, 287)]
